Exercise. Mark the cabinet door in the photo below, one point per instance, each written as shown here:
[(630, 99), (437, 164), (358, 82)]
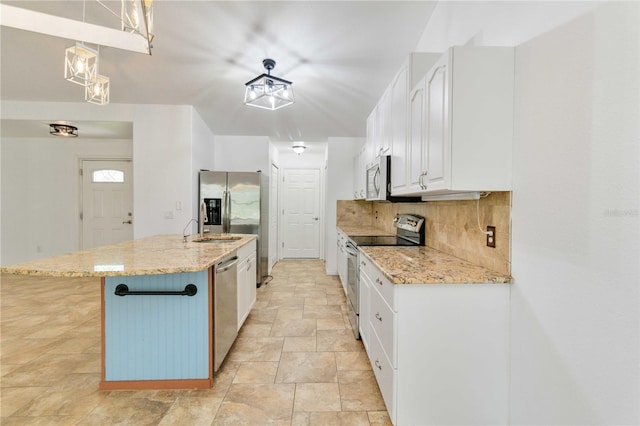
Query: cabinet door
[(399, 131), (417, 152), (365, 289), (246, 287), (437, 126), (372, 135), (383, 123)]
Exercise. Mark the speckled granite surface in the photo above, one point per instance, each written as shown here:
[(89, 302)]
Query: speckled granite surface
[(424, 265), (161, 254)]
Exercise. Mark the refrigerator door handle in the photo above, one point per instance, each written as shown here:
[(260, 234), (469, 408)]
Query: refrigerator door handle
[(226, 223)]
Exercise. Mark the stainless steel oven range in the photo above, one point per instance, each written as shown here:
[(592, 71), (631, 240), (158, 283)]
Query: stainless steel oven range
[(409, 232)]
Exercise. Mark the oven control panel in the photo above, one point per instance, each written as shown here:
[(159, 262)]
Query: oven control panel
[(408, 222)]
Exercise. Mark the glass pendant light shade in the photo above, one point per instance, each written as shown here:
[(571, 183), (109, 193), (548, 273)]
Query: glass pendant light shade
[(137, 17), (267, 91), (98, 92), (80, 64)]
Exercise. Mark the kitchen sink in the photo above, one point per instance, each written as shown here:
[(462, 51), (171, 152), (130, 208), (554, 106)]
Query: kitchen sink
[(218, 238)]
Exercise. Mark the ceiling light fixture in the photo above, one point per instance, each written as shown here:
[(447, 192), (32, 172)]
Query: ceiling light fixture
[(298, 147), (267, 91), (98, 91), (63, 130), (130, 18), (80, 64)]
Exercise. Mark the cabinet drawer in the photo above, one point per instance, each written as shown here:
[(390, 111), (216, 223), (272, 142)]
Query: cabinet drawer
[(246, 250), (380, 282), (385, 374), (383, 320)]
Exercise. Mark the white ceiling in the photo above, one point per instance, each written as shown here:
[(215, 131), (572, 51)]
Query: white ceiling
[(340, 56)]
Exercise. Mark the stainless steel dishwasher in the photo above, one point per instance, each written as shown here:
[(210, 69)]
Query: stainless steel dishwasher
[(225, 309)]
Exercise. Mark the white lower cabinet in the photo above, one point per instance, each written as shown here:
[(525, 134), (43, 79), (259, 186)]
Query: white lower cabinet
[(246, 281), (438, 351)]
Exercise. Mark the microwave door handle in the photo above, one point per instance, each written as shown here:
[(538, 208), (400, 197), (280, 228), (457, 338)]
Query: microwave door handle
[(376, 181)]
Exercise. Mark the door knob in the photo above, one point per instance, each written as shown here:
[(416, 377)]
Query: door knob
[(315, 218), (127, 221)]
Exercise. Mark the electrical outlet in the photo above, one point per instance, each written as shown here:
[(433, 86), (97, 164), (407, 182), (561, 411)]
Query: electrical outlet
[(491, 236)]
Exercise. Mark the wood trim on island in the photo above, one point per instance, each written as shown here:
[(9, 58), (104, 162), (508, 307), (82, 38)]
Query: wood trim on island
[(155, 384)]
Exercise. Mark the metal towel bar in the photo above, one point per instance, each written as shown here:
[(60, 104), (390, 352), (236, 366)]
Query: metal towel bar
[(123, 290)]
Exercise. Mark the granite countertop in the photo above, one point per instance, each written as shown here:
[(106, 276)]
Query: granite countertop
[(161, 254), (424, 265)]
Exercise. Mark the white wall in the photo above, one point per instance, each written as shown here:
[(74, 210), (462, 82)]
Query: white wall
[(40, 193), (340, 153), (242, 154), (202, 158), (162, 162), (575, 318), (576, 223)]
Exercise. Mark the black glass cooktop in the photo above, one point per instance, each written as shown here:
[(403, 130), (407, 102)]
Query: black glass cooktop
[(379, 240)]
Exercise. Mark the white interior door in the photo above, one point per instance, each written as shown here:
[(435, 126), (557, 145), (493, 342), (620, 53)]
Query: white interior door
[(107, 202), (274, 208), (301, 213)]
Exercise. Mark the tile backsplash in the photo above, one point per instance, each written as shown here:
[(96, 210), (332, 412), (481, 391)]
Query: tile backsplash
[(451, 226)]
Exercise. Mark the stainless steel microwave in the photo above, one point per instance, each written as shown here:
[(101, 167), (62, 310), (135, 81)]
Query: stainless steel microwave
[(377, 179), (378, 182)]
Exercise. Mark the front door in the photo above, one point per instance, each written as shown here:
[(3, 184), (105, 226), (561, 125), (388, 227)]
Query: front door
[(301, 214), (107, 202)]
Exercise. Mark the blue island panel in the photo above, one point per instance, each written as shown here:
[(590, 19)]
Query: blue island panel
[(157, 337)]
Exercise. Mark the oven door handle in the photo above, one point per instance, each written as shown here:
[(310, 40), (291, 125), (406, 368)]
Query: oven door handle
[(351, 249)]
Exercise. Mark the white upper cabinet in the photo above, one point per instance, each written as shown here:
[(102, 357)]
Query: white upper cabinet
[(467, 122)]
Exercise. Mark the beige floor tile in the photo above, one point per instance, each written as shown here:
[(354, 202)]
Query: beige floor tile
[(299, 344), (133, 411), (192, 411), (256, 372), (256, 404), (256, 349), (353, 361), (379, 418), (343, 418), (293, 327), (255, 330), (330, 324), (43, 421), (359, 391), (317, 397), (15, 398), (338, 341), (307, 367), (326, 311)]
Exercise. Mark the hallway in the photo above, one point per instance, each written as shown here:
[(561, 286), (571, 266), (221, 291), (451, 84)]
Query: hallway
[(295, 361)]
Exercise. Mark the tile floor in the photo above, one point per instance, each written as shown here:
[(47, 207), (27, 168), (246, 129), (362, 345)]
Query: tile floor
[(295, 361)]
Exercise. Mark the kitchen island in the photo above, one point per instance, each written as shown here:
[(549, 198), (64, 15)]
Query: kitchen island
[(157, 332)]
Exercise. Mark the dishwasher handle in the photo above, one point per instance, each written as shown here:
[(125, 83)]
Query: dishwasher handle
[(226, 264)]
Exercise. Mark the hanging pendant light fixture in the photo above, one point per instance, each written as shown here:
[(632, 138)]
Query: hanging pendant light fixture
[(80, 64), (98, 91), (267, 91), (133, 17)]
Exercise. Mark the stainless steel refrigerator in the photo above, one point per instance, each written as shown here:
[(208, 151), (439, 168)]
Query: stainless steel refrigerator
[(238, 203)]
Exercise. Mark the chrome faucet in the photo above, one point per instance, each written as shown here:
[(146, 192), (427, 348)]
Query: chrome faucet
[(184, 231)]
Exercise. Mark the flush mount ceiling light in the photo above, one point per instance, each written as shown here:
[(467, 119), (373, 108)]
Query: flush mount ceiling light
[(298, 147), (267, 91), (63, 130)]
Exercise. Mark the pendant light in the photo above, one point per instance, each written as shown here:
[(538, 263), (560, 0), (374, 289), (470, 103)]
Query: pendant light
[(268, 91), (80, 64)]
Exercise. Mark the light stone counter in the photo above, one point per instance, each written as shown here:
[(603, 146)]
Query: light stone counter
[(424, 265), (161, 254)]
